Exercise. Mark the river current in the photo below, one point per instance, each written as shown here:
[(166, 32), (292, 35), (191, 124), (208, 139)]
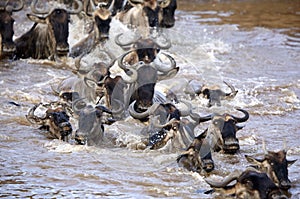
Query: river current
[(252, 44)]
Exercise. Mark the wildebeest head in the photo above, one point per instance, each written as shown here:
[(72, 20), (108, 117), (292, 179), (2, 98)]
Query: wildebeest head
[(275, 165), (249, 184), (167, 13), (141, 49), (102, 18), (49, 35), (197, 157), (56, 121), (222, 131), (215, 94), (7, 46), (90, 123)]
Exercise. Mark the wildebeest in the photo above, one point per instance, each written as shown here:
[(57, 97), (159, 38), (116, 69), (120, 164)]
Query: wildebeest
[(146, 15), (275, 165), (215, 94), (143, 15), (48, 37), (197, 156), (222, 131), (90, 123), (7, 46), (167, 127), (142, 58), (101, 17), (249, 184), (55, 120)]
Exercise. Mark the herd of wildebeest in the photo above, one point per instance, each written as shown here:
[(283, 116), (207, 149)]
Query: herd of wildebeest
[(96, 97)]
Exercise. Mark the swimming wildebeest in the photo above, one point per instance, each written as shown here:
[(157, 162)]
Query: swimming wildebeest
[(7, 45), (48, 37)]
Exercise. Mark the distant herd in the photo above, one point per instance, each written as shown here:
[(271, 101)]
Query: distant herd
[(98, 96)]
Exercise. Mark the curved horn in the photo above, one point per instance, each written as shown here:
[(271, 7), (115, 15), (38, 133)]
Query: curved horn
[(93, 6), (233, 176), (120, 109), (142, 115), (196, 117), (78, 105), (133, 77), (111, 6), (135, 2), (31, 117), (233, 91), (79, 8), (166, 70), (120, 60), (17, 8), (187, 110), (165, 46), (241, 119), (37, 11), (103, 109), (124, 45)]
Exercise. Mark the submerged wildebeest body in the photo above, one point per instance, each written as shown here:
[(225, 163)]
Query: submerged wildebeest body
[(101, 17), (7, 46), (197, 156), (275, 165), (55, 121), (48, 37), (249, 184), (222, 131)]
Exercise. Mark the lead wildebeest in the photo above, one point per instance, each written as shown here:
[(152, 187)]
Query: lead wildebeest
[(48, 37), (7, 46), (55, 120), (142, 57), (101, 18), (222, 131), (275, 165), (249, 184)]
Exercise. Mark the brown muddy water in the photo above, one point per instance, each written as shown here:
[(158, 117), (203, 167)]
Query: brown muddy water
[(253, 44)]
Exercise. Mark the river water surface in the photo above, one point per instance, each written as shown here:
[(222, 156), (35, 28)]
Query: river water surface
[(253, 44)]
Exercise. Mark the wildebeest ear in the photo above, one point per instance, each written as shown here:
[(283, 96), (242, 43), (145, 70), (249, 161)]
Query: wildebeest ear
[(291, 162), (36, 19), (253, 160)]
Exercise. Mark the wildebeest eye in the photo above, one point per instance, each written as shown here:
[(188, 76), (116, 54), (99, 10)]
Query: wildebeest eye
[(58, 11)]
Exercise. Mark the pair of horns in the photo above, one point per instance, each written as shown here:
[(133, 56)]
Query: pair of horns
[(35, 10)]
